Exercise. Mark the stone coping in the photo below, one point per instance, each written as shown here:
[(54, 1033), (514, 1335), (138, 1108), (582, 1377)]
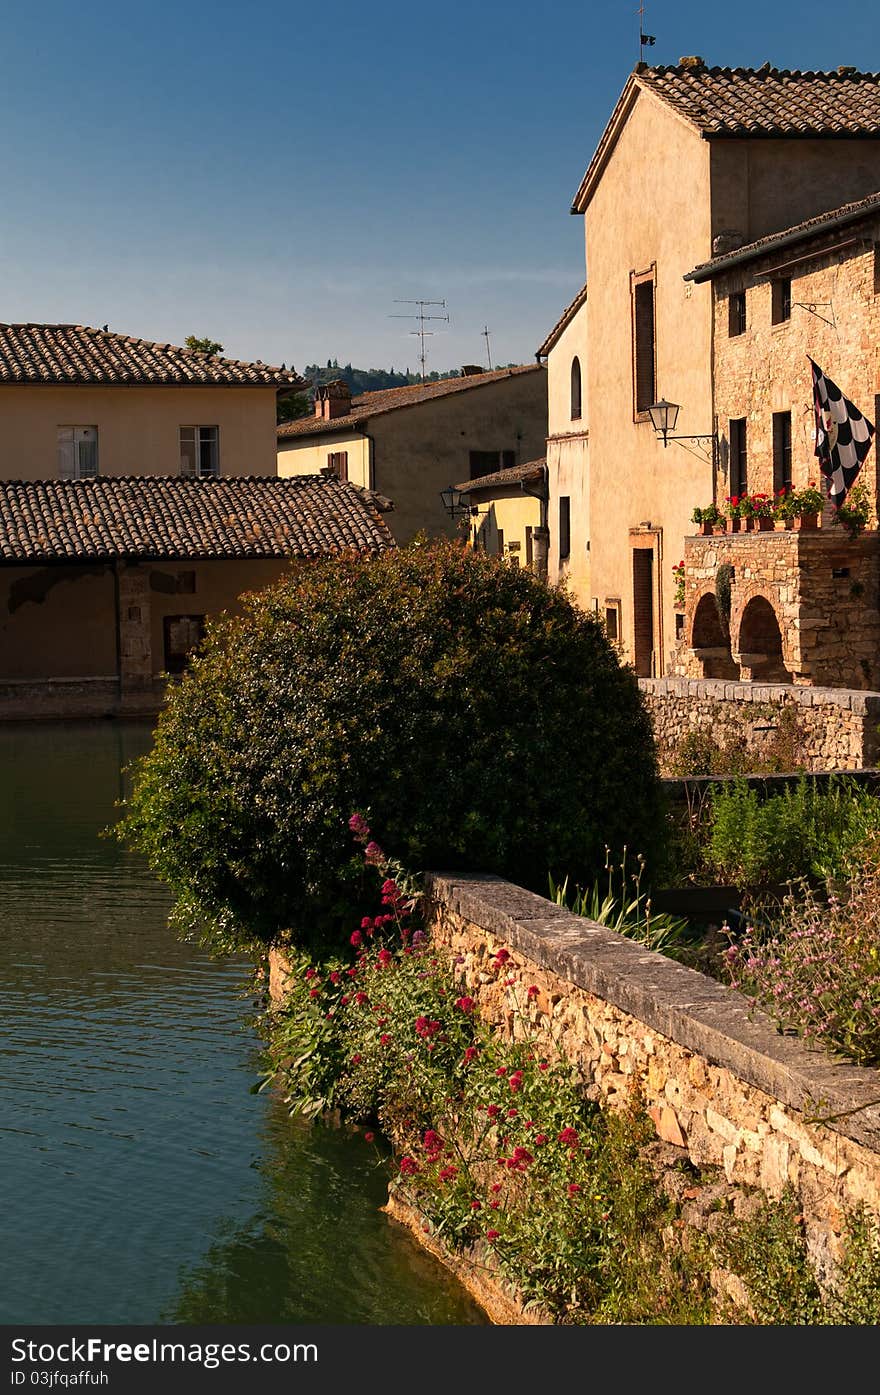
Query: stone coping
[(856, 700), (691, 1009), (680, 787)]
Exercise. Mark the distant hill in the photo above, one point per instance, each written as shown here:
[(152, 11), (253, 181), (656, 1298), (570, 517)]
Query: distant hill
[(359, 380)]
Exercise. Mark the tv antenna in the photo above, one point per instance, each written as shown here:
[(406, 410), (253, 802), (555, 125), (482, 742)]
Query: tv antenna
[(645, 40), (488, 346), (422, 318)]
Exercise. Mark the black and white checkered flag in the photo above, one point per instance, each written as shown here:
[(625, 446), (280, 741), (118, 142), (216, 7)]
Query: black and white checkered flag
[(843, 435)]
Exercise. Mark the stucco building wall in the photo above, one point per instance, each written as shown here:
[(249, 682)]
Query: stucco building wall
[(568, 459), (311, 456), (507, 516), (138, 427), (420, 449), (651, 209)]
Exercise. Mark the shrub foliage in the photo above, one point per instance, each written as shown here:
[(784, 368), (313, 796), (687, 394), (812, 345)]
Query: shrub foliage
[(476, 715)]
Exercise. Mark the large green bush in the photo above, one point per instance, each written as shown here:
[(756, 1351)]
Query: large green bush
[(478, 719)]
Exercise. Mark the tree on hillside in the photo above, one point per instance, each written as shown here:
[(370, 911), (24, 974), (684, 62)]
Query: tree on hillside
[(211, 347)]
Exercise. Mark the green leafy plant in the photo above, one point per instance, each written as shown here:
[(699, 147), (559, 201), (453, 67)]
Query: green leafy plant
[(723, 582), (678, 574), (804, 831), (855, 513), (760, 506), (711, 514), (476, 714), (807, 501), (622, 903)]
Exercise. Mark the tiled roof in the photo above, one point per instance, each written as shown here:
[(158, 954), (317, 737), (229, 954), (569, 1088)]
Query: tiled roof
[(563, 322), (165, 516), (799, 232), (53, 354), (749, 102), (514, 474), (373, 404)]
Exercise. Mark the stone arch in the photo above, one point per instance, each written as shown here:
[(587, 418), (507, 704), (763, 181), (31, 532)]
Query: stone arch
[(760, 642), (709, 640)]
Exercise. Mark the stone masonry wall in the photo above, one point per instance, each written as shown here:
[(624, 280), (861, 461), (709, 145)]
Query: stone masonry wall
[(721, 1085), (824, 592), (835, 728)]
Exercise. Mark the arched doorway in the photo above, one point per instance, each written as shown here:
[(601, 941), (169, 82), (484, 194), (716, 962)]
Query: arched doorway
[(760, 643), (710, 641)]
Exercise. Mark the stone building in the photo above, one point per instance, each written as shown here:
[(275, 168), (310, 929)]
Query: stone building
[(565, 353), (410, 443), (508, 514), (694, 159), (803, 607), (105, 584)]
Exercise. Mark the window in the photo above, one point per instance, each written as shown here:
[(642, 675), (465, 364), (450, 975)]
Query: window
[(486, 462), (77, 452), (185, 584), (781, 299), (182, 633), (530, 554), (575, 389), (739, 471), (200, 450), (644, 346), (500, 542), (564, 527), (337, 464), (736, 313), (612, 621), (781, 451)]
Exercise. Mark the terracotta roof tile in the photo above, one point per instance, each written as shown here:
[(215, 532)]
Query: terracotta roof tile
[(770, 101), (53, 354), (372, 404), (798, 232), (748, 102), (162, 516), (514, 474)]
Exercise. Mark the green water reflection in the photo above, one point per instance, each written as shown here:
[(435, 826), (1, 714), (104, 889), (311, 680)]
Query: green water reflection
[(141, 1181)]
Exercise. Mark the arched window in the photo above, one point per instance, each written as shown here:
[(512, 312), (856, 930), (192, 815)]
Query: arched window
[(575, 389)]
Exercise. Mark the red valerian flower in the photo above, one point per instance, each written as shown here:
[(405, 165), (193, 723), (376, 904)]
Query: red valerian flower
[(476, 1205), (470, 1054), (314, 992), (361, 998), (368, 1137), (493, 1205), (356, 1060), (408, 1166), (334, 976), (310, 973), (543, 1065), (384, 957), (446, 1174), (492, 1111), (521, 1158), (465, 1004), (501, 956), (569, 1137), (573, 1188), (515, 1081), (495, 1187), (356, 938), (491, 1234), (358, 826), (502, 1070), (384, 1039), (344, 1000), (540, 1138), (373, 853), (433, 1142), (532, 991), (425, 1027)]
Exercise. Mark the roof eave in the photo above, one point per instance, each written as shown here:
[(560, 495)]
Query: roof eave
[(707, 271)]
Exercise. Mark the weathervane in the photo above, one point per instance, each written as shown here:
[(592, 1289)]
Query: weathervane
[(645, 40)]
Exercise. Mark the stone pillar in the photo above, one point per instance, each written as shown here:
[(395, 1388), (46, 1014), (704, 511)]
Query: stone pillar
[(135, 644), (540, 548)]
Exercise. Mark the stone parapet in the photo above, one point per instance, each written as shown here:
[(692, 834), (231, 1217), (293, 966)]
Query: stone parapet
[(720, 1083), (829, 728)]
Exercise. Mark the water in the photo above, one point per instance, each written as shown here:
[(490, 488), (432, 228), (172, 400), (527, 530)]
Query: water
[(141, 1181)]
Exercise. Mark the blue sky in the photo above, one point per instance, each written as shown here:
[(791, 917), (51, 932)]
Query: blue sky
[(277, 175)]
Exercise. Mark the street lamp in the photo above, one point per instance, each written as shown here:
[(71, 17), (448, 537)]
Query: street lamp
[(664, 415), (455, 501)]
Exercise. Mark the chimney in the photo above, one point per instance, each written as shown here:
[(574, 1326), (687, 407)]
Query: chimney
[(727, 240), (332, 400), (470, 370), (692, 60)]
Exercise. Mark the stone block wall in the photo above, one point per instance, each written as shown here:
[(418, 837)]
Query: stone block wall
[(721, 1085), (832, 728), (804, 608)]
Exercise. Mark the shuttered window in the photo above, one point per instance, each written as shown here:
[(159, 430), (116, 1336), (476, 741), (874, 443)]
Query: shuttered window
[(77, 452), (644, 345), (564, 527)]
